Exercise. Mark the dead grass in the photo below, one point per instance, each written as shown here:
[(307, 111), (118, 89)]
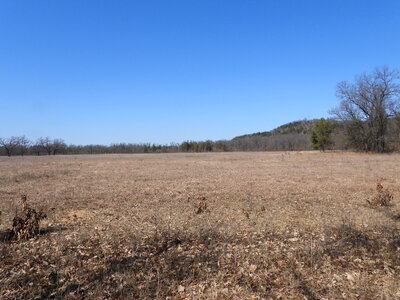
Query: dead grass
[(136, 227)]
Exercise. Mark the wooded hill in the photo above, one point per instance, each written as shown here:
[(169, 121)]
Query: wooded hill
[(287, 137), (298, 127)]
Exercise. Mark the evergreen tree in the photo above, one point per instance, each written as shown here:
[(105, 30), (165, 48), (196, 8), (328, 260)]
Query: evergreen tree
[(321, 134)]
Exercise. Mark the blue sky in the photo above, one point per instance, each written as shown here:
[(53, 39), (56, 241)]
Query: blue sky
[(167, 71)]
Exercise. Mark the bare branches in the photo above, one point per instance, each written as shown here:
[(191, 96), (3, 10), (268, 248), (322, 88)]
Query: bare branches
[(366, 105), (50, 146), (15, 144)]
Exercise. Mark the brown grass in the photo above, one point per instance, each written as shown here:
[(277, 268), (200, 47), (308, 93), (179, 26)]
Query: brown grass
[(134, 227)]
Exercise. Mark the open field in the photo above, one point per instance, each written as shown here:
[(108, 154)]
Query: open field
[(203, 226)]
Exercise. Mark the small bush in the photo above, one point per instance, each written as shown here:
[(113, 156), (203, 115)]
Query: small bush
[(26, 224), (202, 206), (383, 196)]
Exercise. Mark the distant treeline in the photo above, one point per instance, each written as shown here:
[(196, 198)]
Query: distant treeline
[(286, 143), (21, 145), (294, 136), (47, 146)]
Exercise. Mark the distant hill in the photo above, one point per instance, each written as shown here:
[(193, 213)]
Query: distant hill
[(296, 127)]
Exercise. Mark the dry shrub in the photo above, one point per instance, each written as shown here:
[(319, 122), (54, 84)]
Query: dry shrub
[(383, 196), (26, 224), (202, 206)]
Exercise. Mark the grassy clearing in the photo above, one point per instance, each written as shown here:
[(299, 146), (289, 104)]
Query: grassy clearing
[(204, 226)]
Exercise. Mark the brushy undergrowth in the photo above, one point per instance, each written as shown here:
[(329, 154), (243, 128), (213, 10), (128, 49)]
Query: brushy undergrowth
[(25, 224), (383, 197), (202, 206)]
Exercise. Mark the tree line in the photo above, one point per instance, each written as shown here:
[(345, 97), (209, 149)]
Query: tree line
[(14, 146), (21, 145)]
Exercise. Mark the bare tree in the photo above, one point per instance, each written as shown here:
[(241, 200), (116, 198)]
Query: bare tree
[(46, 144), (23, 144), (58, 146), (366, 106), (9, 144), (396, 113)]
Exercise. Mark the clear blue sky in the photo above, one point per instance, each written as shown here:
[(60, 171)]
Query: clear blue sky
[(166, 71)]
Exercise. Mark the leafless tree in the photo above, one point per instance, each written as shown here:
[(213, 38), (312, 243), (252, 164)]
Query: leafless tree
[(50, 146), (23, 144), (366, 106), (46, 144), (9, 144), (58, 146)]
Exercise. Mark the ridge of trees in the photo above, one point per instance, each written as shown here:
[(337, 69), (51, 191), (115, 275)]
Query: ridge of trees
[(291, 136), (296, 127), (287, 141)]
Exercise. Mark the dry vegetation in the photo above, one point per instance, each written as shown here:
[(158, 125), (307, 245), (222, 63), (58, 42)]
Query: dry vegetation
[(203, 226)]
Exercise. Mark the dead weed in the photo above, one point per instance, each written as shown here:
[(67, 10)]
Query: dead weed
[(26, 223), (383, 197)]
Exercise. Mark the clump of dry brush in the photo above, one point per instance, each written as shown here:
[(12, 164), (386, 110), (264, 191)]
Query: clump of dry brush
[(26, 223), (383, 196), (202, 206)]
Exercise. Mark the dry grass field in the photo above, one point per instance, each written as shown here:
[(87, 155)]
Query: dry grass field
[(203, 226)]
